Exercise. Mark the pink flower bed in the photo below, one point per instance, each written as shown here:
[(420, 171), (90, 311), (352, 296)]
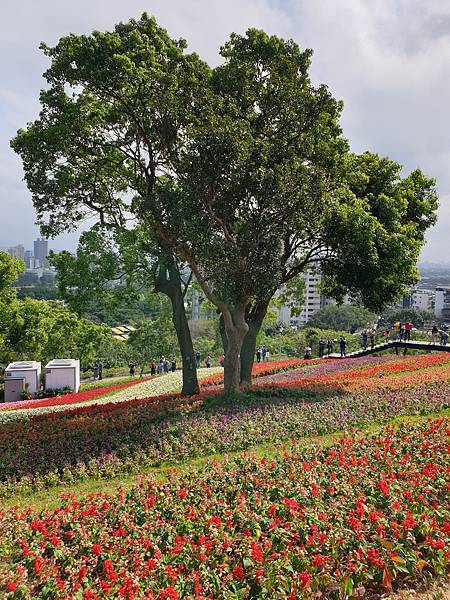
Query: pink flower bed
[(75, 398)]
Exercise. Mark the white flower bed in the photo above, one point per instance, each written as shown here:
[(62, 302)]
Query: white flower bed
[(164, 384), (168, 383)]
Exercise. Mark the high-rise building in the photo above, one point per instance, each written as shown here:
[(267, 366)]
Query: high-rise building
[(314, 300), (41, 251), (17, 251)]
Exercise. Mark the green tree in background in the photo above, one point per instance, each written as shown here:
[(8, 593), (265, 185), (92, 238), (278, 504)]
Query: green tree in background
[(342, 318), (152, 339), (43, 330), (417, 317)]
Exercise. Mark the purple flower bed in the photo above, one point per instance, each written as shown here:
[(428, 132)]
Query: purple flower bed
[(326, 367), (103, 447)]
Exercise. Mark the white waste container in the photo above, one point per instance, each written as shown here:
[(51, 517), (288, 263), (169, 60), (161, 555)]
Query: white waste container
[(62, 372), (22, 375)]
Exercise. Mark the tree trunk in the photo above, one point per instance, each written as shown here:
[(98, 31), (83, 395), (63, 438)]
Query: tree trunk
[(168, 282), (223, 334), (254, 318), (236, 329)]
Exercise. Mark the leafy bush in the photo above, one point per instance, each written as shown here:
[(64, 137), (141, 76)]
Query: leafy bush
[(53, 392)]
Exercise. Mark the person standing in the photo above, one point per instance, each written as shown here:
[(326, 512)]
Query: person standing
[(372, 338), (208, 361), (343, 346), (322, 345), (258, 355), (407, 328), (444, 335), (307, 355), (198, 357), (132, 368), (173, 365), (153, 368), (330, 346), (434, 332), (100, 369), (398, 330), (222, 360), (166, 364), (263, 353), (364, 338)]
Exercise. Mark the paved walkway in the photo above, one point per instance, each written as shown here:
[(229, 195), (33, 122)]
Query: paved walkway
[(397, 345)]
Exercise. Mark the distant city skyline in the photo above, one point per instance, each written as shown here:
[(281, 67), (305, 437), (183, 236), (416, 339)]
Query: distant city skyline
[(387, 60)]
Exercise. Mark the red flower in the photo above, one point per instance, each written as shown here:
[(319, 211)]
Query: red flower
[(383, 486), (238, 572), (304, 579), (110, 573), (38, 565), (257, 553), (319, 560), (97, 549)]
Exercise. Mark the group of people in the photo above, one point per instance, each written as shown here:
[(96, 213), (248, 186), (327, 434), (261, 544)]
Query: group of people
[(368, 336), (442, 332), (163, 365), (327, 346), (263, 354), (208, 360), (403, 330)]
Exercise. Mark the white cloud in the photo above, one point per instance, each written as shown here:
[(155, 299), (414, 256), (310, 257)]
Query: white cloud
[(387, 59)]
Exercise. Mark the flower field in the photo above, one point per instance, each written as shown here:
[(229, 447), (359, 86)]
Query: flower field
[(104, 440), (352, 520), (263, 369), (157, 386), (71, 399), (169, 383)]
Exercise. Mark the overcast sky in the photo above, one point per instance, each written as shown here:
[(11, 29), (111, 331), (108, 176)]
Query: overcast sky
[(388, 60)]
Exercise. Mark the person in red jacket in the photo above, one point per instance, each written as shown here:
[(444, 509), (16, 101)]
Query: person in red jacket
[(407, 327)]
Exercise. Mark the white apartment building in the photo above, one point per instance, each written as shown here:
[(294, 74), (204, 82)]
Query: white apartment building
[(422, 299), (442, 303), (313, 301)]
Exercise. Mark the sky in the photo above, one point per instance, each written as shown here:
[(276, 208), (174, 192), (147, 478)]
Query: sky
[(388, 60)]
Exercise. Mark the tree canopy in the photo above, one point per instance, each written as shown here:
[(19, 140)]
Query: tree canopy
[(241, 171), (342, 318)]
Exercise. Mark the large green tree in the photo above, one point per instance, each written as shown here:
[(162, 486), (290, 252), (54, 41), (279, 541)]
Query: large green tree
[(241, 171)]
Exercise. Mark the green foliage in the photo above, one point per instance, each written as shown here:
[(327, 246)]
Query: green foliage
[(43, 330), (342, 318), (10, 268), (152, 339), (416, 317), (376, 230)]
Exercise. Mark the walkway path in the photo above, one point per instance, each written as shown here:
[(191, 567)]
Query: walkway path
[(396, 345)]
